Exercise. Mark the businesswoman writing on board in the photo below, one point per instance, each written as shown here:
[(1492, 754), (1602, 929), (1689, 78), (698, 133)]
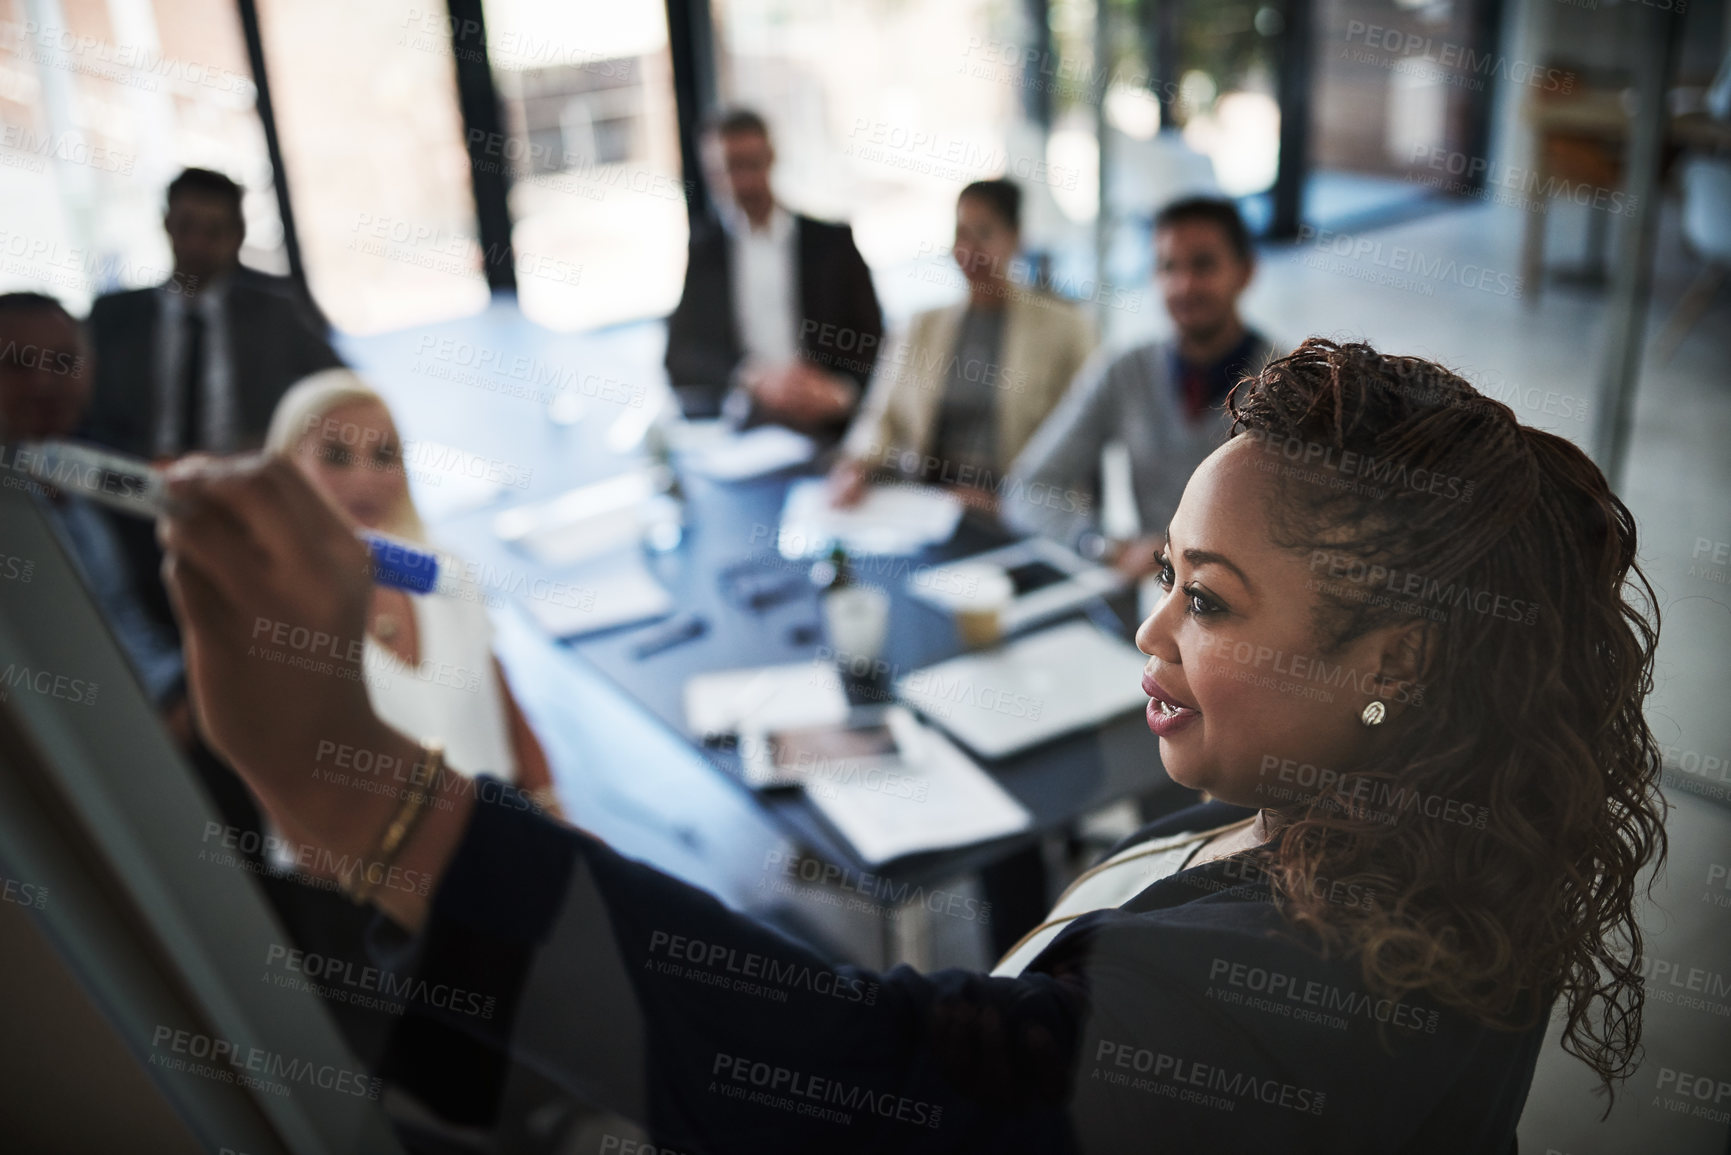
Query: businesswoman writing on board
[(1403, 643)]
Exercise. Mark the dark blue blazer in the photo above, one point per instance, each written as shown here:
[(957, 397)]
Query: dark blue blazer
[(1193, 1018)]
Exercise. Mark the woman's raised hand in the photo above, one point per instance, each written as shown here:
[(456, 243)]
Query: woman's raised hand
[(271, 588)]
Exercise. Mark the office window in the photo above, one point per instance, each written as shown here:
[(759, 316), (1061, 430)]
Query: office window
[(1398, 84), (365, 95), (101, 104), (1223, 97), (569, 114), (591, 144), (882, 111)]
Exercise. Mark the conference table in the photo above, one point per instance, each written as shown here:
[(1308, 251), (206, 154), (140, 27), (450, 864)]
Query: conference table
[(730, 531)]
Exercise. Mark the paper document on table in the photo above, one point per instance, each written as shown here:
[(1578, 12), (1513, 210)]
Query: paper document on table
[(750, 454), (765, 698), (447, 481), (931, 797), (612, 591), (582, 523), (889, 519)]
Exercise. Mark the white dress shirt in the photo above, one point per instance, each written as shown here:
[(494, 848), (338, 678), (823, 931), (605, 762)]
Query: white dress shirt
[(217, 409), (765, 285)]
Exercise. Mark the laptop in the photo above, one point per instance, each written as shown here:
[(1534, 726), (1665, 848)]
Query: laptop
[(1040, 686)]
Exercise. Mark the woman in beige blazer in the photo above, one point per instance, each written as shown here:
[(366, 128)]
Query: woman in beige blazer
[(955, 398)]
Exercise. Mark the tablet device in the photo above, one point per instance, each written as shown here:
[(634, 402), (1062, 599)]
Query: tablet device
[(796, 755), (886, 783)]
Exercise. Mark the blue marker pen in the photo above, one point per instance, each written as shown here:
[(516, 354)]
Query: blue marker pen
[(411, 568), (132, 485)]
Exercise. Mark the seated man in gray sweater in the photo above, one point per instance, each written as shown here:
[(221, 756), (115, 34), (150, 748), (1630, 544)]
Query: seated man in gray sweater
[(1164, 400)]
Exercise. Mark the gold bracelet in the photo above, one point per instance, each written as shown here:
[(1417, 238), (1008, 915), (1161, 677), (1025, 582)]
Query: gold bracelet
[(402, 825)]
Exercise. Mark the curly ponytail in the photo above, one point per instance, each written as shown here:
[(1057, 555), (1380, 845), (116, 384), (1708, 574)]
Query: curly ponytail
[(1534, 718)]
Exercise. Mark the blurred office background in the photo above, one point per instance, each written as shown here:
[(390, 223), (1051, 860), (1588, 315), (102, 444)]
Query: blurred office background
[(460, 185)]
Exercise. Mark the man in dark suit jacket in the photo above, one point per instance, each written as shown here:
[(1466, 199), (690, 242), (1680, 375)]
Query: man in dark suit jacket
[(199, 363), (778, 321)]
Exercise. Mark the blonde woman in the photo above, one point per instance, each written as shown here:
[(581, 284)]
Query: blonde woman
[(429, 664)]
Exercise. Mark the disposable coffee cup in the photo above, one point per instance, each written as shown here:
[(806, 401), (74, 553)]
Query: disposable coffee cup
[(982, 595)]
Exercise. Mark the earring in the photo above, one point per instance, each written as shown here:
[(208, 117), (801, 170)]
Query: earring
[(1374, 713)]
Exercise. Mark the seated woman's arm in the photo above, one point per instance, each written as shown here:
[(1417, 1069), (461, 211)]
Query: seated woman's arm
[(534, 775), (879, 432)]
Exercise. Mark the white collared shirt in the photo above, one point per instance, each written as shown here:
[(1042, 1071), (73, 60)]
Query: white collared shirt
[(217, 408), (765, 285)]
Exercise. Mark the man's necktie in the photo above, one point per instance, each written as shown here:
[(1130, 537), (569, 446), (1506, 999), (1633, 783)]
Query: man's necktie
[(192, 384)]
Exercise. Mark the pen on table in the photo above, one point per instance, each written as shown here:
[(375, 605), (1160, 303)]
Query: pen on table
[(677, 632), (133, 486)]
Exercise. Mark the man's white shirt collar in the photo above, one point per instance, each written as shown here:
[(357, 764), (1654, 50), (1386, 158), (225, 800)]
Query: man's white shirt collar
[(778, 228)]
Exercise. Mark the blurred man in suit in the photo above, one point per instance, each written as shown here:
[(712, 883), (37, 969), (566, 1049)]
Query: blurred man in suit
[(778, 321), (199, 362)]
